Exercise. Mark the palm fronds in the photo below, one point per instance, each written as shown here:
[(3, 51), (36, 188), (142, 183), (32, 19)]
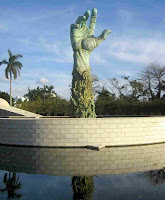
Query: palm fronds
[(13, 65), (13, 68), (3, 62)]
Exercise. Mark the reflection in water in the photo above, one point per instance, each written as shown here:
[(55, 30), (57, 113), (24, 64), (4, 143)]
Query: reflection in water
[(83, 187), (12, 184), (81, 161), (156, 177)]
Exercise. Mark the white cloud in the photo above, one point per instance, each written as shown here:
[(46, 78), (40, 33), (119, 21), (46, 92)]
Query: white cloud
[(120, 72), (98, 59), (62, 51), (132, 57), (43, 81), (18, 90), (55, 51), (138, 51)]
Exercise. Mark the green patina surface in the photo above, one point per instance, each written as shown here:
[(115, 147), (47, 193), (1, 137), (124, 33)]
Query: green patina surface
[(83, 42)]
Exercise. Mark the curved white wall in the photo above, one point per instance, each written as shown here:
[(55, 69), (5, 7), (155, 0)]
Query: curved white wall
[(74, 132)]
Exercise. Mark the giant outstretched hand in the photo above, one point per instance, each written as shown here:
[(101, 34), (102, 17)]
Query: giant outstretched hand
[(83, 40)]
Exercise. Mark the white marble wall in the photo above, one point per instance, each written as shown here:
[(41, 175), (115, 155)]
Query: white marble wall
[(74, 132)]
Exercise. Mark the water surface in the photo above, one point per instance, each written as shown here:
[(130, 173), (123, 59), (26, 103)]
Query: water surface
[(112, 173)]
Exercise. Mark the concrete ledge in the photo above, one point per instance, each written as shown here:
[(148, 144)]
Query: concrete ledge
[(74, 132), (8, 111)]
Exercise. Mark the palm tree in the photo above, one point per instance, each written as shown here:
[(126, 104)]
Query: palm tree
[(13, 68)]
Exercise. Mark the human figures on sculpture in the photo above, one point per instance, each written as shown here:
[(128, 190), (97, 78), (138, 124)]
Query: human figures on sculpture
[(83, 42)]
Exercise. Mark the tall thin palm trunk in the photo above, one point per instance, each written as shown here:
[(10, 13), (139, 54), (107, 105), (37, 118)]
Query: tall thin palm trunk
[(10, 89), (13, 67)]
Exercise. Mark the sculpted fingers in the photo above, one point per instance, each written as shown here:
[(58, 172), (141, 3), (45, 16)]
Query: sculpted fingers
[(104, 34), (102, 37), (81, 21), (86, 14), (92, 23), (92, 42), (74, 26)]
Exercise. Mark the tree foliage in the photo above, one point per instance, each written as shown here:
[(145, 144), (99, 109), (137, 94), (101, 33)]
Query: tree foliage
[(141, 95), (6, 96), (44, 93), (103, 99), (45, 101), (153, 79)]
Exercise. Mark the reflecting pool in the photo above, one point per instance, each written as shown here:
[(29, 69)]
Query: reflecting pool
[(135, 172)]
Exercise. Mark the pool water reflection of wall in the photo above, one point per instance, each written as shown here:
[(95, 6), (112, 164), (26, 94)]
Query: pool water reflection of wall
[(74, 132), (82, 161)]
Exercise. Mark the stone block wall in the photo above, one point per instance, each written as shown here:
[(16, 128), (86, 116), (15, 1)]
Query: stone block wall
[(74, 132)]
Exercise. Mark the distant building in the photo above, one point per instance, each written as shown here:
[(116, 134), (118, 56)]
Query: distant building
[(22, 98)]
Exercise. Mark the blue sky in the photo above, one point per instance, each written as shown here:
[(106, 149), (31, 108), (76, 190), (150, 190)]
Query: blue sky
[(40, 31)]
